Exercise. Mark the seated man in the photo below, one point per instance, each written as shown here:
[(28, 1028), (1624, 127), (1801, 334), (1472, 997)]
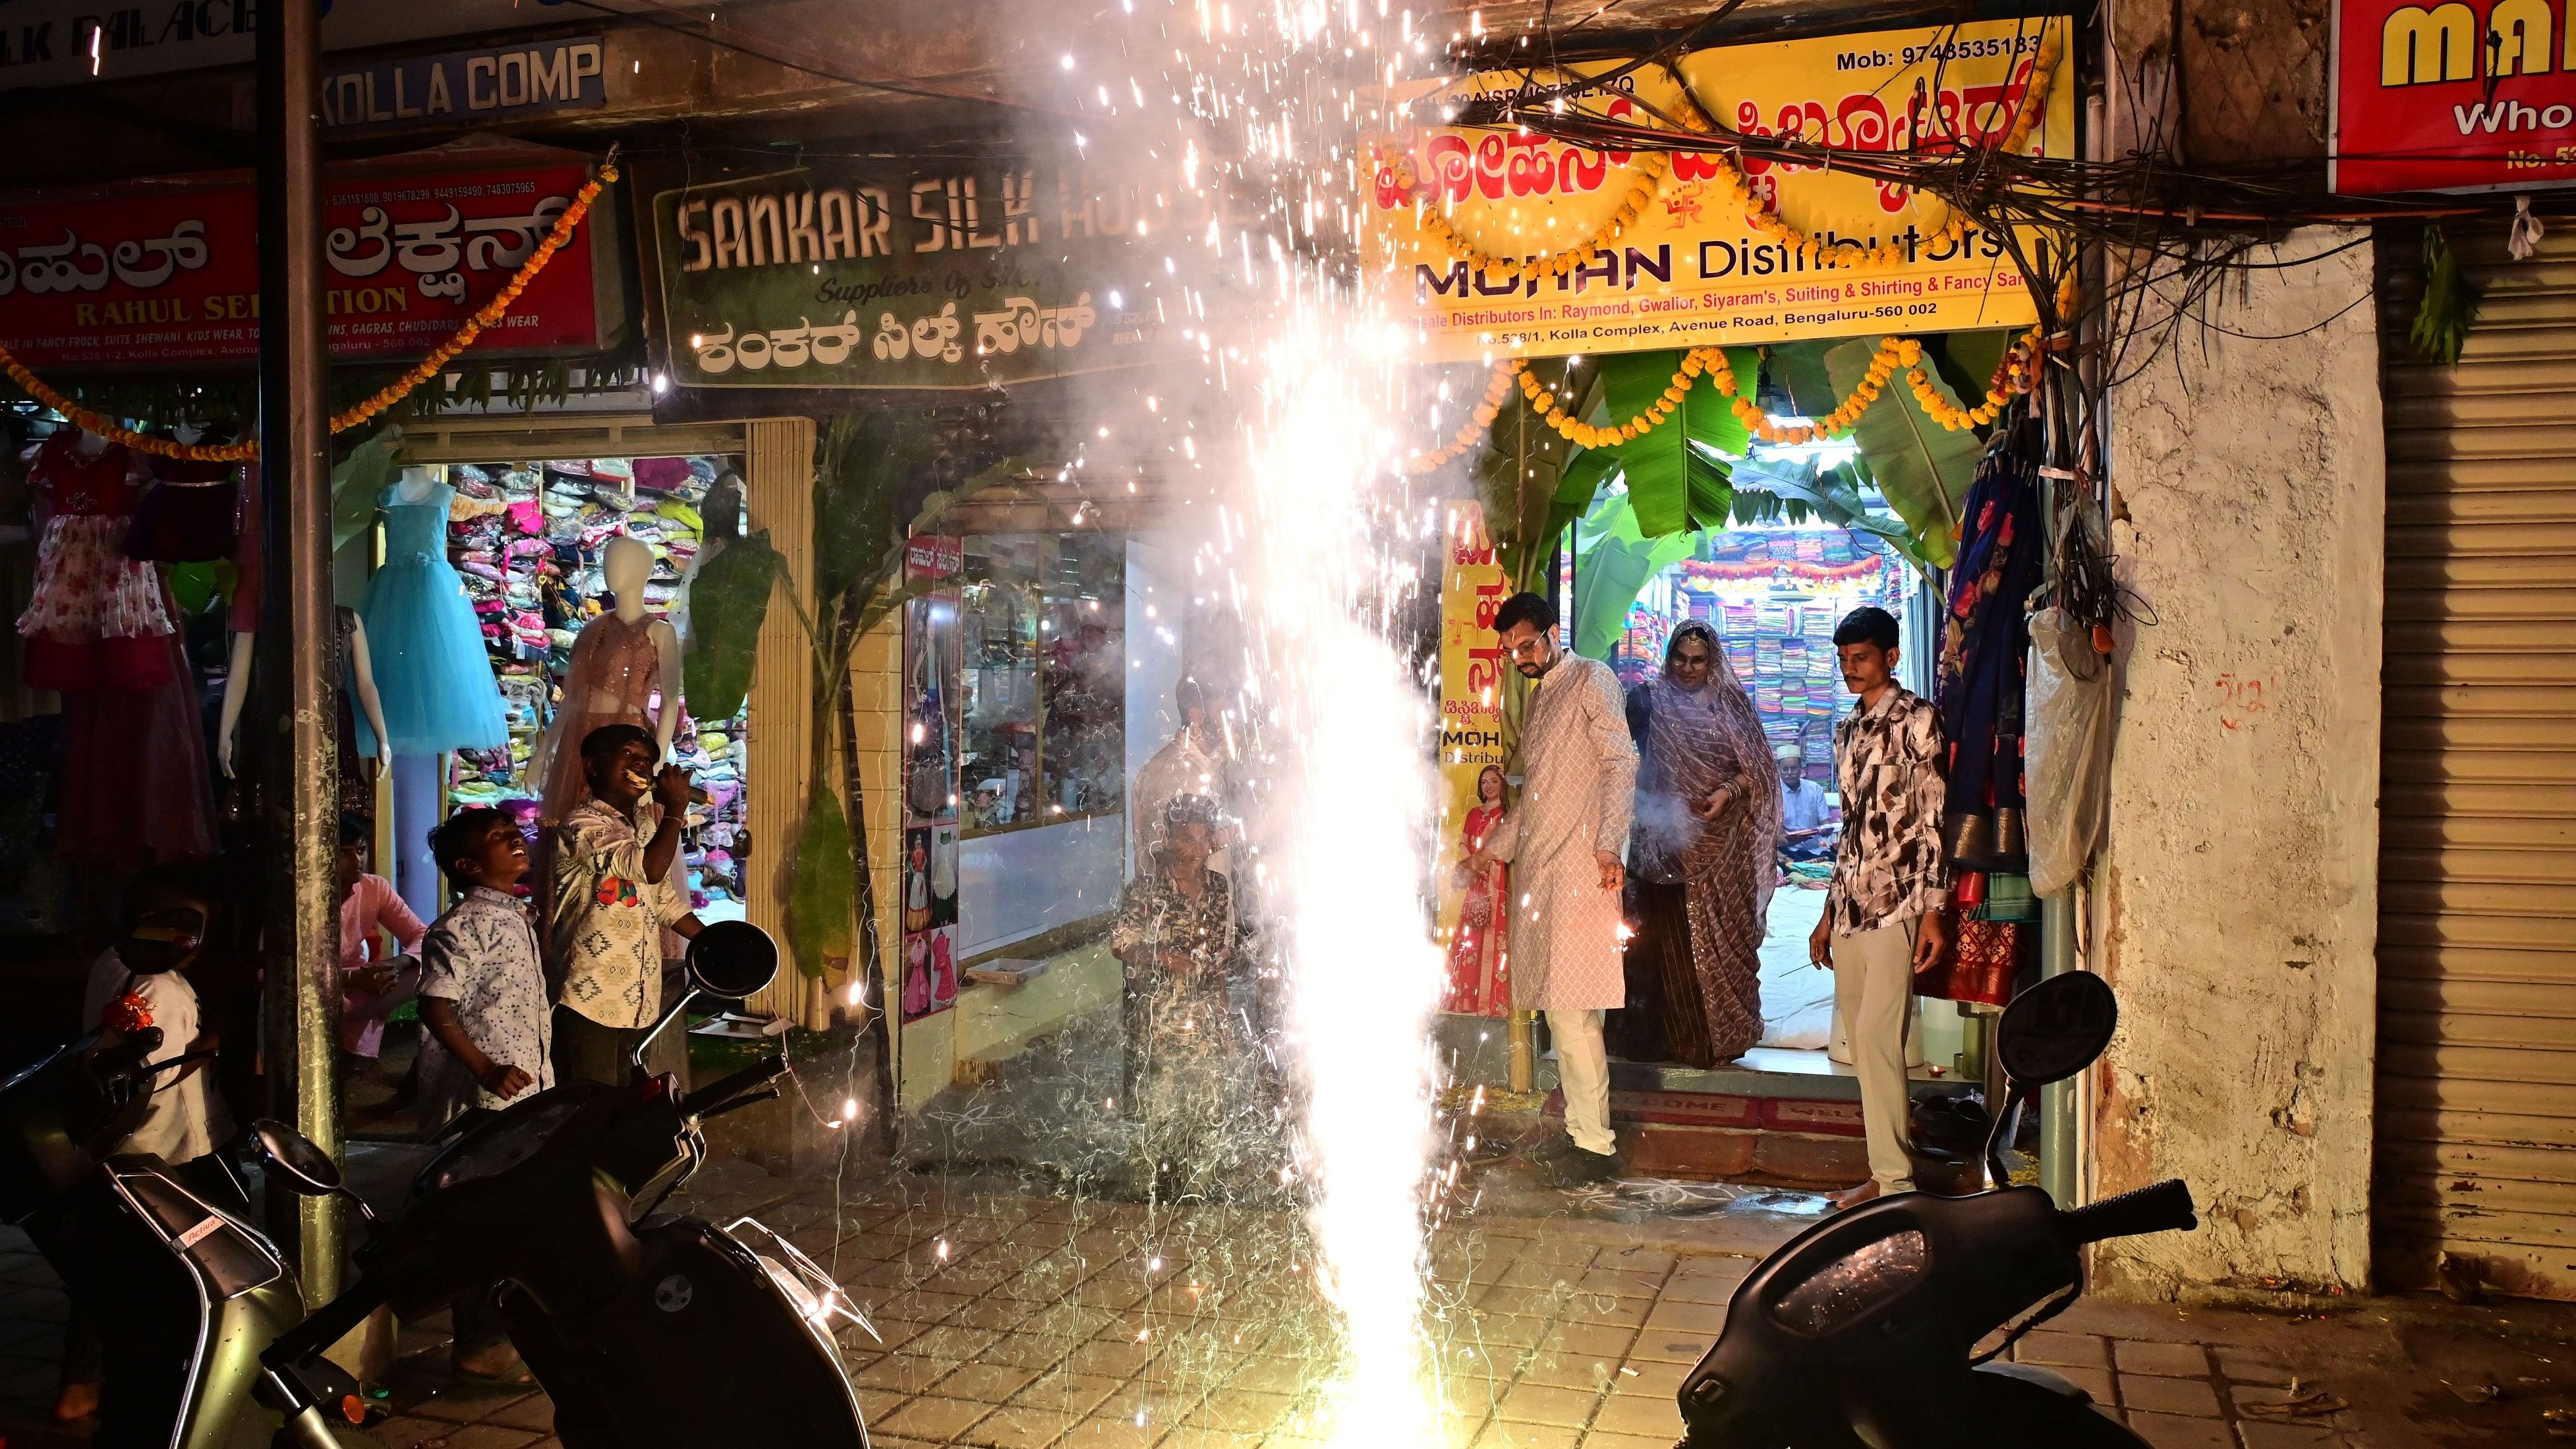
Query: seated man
[(1806, 818)]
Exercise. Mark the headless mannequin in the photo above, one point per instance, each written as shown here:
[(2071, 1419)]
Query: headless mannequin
[(237, 690), (627, 565), (416, 482), (89, 444), (362, 674)]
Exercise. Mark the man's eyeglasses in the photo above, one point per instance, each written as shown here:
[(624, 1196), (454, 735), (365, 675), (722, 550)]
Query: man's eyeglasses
[(1533, 647)]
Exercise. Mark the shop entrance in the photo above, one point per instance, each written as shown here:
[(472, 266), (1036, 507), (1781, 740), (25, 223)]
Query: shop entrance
[(1773, 593)]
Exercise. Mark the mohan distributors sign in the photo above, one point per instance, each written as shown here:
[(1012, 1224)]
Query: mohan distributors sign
[(1694, 271)]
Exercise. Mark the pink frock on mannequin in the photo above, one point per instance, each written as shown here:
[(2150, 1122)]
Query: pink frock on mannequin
[(611, 661)]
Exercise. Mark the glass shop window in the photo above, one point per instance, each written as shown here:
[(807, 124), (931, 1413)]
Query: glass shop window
[(1043, 687)]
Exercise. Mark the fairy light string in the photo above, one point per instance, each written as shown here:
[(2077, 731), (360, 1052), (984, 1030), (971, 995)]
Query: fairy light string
[(489, 315)]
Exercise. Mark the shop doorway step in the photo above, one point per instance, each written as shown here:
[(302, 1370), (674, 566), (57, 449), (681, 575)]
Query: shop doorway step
[(1790, 1123)]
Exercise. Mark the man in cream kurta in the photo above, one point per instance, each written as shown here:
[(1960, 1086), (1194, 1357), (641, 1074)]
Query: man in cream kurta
[(1565, 839)]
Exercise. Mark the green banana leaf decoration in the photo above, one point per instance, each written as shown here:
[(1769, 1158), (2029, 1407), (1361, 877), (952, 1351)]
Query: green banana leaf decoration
[(1675, 474), (1615, 561), (1770, 489), (1921, 468), (728, 601), (357, 481), (819, 898), (1528, 496)]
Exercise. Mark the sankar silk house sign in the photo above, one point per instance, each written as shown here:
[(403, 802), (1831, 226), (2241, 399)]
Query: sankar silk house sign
[(927, 277), (1698, 267), (2463, 95)]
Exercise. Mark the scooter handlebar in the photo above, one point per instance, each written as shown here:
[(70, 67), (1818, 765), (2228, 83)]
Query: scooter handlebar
[(709, 1102), (2165, 1207)]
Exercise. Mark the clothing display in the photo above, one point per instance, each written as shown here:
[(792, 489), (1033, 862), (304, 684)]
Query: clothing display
[(355, 741), (529, 540), (136, 787), (1693, 743), (96, 618), (1985, 656), (436, 687), (614, 678)]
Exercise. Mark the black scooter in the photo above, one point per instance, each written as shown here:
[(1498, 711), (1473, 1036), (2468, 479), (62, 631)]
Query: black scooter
[(1862, 1332), (646, 1330)]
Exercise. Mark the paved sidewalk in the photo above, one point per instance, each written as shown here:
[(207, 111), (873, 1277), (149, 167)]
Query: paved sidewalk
[(1012, 1321)]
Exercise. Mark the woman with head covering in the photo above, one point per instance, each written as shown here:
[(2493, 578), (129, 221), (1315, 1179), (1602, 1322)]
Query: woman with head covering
[(1480, 982), (1701, 854)]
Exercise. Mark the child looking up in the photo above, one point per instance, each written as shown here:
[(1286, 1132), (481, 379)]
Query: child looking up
[(483, 986)]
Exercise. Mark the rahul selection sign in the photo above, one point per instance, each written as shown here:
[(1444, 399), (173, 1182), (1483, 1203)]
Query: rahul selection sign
[(1690, 273), (2454, 96), (166, 276)]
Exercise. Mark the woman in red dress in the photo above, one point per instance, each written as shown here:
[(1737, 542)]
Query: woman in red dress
[(1480, 981)]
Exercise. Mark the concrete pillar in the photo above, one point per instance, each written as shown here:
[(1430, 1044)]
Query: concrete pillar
[(2238, 896)]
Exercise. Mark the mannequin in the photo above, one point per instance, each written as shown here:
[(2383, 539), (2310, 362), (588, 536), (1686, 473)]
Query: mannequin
[(621, 659), (95, 618), (426, 649), (359, 681)]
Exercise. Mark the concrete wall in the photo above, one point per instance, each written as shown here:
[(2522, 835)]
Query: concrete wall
[(2237, 903)]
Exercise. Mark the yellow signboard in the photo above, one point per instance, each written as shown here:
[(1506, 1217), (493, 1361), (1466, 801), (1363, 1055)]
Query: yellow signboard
[(1694, 269), (1472, 588)]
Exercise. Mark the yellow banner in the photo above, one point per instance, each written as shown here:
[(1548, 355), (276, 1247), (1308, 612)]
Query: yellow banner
[(1694, 270), (1472, 587)]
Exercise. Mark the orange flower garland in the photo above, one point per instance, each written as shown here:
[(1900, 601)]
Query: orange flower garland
[(1497, 388), (489, 315), (1654, 166)]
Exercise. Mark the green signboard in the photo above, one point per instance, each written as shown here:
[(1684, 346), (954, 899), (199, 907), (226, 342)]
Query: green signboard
[(922, 277)]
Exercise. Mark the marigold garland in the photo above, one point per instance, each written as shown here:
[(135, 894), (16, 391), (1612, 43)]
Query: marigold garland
[(1654, 167), (1497, 388), (489, 315)]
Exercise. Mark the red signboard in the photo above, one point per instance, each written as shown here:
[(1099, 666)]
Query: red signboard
[(2459, 95), (169, 276)]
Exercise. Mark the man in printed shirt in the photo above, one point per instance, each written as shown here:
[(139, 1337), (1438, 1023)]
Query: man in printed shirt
[(1884, 916), (617, 884)]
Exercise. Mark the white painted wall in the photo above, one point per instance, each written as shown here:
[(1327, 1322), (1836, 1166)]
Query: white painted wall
[(2237, 901)]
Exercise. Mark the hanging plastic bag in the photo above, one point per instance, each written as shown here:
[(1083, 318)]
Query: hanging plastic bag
[(2068, 759)]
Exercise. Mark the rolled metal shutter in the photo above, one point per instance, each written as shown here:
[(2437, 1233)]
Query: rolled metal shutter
[(2476, 1142)]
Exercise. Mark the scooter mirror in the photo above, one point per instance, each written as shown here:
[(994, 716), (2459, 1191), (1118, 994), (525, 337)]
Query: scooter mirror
[(732, 959), (2056, 1028), (300, 1165)]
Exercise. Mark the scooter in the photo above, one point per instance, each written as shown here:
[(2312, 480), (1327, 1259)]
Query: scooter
[(186, 1295), (1862, 1332), (647, 1330)]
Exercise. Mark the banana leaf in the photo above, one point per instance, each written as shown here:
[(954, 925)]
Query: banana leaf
[(1798, 368), (1922, 468), (728, 601), (1967, 360), (356, 482), (1770, 489), (819, 896), (1670, 481), (1523, 477), (1617, 560)]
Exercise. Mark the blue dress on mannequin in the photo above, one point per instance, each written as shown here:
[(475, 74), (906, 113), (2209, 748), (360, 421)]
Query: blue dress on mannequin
[(422, 639)]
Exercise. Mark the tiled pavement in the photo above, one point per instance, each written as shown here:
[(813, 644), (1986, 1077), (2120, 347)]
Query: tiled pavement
[(1020, 1322)]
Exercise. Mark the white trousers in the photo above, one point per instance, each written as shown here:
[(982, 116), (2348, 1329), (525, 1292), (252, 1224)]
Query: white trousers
[(1583, 1070), (1874, 991)]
